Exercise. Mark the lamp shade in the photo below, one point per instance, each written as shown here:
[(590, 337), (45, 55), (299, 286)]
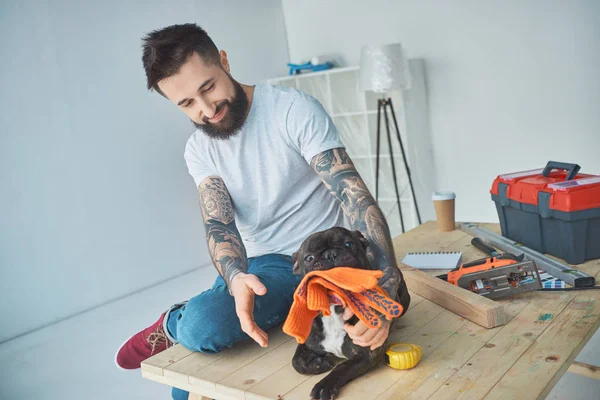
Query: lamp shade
[(383, 68)]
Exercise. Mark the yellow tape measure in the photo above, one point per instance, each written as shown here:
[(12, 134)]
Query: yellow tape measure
[(403, 355)]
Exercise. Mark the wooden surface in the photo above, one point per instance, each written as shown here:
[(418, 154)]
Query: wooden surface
[(193, 396), (523, 359)]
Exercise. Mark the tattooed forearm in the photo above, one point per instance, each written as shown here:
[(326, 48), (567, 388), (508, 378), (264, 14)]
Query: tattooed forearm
[(340, 176), (224, 242)]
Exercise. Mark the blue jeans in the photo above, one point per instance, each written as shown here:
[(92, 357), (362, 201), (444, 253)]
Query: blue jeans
[(208, 322)]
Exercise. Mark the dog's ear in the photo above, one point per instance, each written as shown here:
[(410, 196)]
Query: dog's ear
[(296, 264), (361, 239)]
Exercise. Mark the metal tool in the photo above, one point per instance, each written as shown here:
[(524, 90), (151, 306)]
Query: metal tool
[(502, 281), (481, 245), (497, 276), (564, 272)]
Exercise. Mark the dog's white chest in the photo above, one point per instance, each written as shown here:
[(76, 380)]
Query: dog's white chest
[(334, 333)]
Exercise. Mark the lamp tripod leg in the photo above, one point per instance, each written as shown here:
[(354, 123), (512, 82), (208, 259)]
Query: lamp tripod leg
[(379, 105), (387, 127), (412, 190)]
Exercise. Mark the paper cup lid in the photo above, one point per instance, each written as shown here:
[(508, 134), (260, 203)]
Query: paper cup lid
[(443, 196)]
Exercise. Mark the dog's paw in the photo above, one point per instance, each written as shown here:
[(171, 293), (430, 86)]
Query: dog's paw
[(314, 366), (324, 390)]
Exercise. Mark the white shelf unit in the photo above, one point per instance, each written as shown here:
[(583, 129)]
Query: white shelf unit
[(355, 115)]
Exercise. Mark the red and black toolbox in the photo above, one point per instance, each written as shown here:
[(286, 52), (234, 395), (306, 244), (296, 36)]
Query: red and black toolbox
[(553, 210)]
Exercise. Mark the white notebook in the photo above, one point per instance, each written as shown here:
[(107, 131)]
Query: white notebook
[(437, 260)]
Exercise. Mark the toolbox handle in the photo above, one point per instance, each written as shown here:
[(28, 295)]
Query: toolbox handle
[(572, 168)]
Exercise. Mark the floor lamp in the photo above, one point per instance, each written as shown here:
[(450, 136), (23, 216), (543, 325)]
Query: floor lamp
[(383, 69)]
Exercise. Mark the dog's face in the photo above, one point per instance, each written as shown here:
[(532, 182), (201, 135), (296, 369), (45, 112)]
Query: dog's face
[(335, 247)]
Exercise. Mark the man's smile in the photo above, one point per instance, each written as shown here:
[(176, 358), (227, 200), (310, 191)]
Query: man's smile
[(218, 116)]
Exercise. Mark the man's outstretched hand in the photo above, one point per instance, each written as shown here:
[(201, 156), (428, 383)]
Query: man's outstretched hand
[(243, 288)]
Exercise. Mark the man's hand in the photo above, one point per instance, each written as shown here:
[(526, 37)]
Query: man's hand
[(364, 336), (243, 288)]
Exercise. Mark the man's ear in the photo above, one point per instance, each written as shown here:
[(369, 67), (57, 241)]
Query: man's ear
[(296, 267), (224, 61), (361, 239)]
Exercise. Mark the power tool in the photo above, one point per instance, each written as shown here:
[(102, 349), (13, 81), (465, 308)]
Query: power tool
[(496, 276)]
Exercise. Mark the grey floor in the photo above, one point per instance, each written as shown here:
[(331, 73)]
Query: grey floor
[(73, 359)]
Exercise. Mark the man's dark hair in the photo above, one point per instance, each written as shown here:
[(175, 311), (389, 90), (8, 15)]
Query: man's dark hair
[(167, 49)]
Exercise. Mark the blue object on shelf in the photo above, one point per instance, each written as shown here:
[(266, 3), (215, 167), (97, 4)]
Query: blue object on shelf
[(298, 68)]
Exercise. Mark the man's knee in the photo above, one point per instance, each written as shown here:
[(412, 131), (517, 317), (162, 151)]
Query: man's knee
[(208, 324), (206, 339)]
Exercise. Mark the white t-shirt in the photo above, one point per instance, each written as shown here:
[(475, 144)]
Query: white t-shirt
[(278, 198)]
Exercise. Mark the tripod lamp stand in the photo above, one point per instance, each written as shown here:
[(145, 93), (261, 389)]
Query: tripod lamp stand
[(384, 69)]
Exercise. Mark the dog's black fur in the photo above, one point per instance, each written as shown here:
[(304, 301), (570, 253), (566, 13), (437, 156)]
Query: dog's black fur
[(332, 248)]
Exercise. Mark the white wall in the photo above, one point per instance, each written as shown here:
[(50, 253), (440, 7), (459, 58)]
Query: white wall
[(95, 197), (512, 84)]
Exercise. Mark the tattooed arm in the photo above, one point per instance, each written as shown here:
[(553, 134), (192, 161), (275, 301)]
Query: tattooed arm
[(341, 178), (229, 254), (224, 242)]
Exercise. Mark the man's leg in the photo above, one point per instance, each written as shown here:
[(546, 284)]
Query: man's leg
[(208, 322), (178, 394)]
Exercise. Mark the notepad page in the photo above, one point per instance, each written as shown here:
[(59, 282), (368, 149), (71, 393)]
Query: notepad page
[(437, 260)]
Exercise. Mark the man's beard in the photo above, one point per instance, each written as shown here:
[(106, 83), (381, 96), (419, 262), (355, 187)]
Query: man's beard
[(234, 118)]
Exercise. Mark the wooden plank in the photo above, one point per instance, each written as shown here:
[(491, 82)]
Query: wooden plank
[(286, 379), (436, 368), (277, 384), (187, 387), (414, 319), (540, 367), (256, 371), (421, 382), (469, 305), (236, 358), (158, 362), (414, 299), (193, 396), (191, 364), (439, 324), (583, 369), (302, 391), (481, 372), (430, 337)]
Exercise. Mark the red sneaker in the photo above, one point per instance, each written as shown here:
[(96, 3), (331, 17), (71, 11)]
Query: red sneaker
[(143, 345)]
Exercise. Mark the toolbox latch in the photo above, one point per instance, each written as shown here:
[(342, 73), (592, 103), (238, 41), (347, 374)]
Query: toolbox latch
[(544, 205), (503, 198)]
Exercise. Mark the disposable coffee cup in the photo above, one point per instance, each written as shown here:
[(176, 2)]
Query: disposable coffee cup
[(444, 210)]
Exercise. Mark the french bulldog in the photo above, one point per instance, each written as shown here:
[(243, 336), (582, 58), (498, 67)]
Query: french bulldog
[(328, 342)]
